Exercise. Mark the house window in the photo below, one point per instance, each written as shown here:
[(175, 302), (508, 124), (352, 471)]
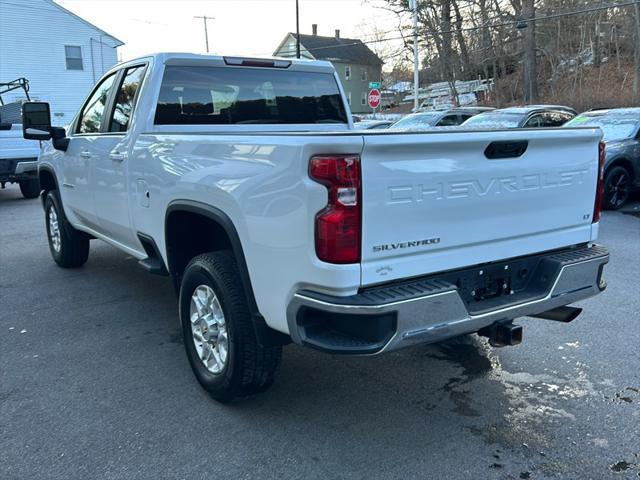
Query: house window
[(347, 72), (363, 73), (73, 56), (363, 98), (349, 97)]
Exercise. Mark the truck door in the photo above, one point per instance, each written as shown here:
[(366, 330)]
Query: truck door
[(109, 169), (77, 195)]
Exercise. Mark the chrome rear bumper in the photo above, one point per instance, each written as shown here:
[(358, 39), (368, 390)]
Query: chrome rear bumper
[(432, 309)]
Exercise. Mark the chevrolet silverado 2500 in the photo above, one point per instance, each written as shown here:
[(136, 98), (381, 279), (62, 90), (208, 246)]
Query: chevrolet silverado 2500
[(244, 181)]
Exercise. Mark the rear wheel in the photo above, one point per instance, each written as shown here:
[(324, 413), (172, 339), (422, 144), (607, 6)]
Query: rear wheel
[(617, 187), (30, 188), (69, 247), (219, 336)]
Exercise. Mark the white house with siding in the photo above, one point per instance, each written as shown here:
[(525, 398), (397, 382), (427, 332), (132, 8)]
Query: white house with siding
[(61, 54)]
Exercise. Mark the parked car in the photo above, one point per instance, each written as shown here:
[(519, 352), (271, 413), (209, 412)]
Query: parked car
[(621, 130), (372, 124), (244, 182), (436, 118), (531, 116)]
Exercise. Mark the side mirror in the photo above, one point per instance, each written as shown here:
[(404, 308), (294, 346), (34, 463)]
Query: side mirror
[(59, 138), (36, 121)]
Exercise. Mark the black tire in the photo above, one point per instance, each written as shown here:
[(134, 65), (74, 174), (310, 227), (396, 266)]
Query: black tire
[(73, 248), (30, 188), (249, 368), (617, 188)]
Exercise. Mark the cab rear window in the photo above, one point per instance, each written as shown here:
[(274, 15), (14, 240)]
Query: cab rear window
[(192, 95)]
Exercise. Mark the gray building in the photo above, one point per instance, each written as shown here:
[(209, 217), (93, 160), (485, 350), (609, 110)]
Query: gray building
[(355, 63)]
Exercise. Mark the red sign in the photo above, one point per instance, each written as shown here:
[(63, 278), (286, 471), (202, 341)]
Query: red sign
[(374, 97)]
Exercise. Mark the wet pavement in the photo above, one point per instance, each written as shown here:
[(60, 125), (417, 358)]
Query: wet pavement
[(94, 383)]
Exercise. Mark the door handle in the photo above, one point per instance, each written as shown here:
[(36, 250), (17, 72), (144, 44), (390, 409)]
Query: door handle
[(85, 154), (117, 156)]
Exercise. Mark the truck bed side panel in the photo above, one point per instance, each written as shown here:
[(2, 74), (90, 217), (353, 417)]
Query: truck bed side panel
[(261, 183)]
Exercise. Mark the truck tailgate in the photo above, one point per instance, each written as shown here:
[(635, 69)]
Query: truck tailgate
[(13, 146), (442, 200)]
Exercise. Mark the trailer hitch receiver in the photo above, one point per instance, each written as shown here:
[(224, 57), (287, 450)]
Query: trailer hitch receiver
[(502, 334)]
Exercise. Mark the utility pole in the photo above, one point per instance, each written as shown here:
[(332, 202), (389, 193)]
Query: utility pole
[(206, 33), (416, 62), (636, 78), (530, 74), (297, 30)]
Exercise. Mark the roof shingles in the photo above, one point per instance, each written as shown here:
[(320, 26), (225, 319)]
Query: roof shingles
[(339, 49)]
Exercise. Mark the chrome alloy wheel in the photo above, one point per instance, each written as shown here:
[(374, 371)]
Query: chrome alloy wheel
[(209, 329), (54, 230)]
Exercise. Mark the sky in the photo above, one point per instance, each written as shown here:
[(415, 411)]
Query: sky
[(239, 27)]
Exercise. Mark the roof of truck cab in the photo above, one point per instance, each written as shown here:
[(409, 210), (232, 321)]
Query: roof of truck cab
[(184, 58)]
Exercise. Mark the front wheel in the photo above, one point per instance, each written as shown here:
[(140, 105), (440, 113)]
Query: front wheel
[(219, 336), (617, 188), (30, 188), (69, 247)]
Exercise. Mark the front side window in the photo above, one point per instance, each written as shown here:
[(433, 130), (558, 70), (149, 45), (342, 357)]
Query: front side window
[(93, 111), (73, 57), (347, 72), (125, 100), (191, 95)]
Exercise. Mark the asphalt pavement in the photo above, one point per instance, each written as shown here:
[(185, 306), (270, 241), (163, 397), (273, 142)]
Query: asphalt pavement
[(94, 383)]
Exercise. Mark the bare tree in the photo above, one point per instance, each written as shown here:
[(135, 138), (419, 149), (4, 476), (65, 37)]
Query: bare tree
[(567, 58)]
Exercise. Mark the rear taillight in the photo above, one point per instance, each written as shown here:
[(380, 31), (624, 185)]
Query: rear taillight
[(338, 225), (597, 207)]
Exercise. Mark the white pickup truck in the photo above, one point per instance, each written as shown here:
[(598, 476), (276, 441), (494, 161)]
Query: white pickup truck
[(243, 180), (18, 160), (18, 157)]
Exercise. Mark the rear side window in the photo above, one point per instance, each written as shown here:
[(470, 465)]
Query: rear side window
[(125, 100), (556, 119), (226, 95)]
